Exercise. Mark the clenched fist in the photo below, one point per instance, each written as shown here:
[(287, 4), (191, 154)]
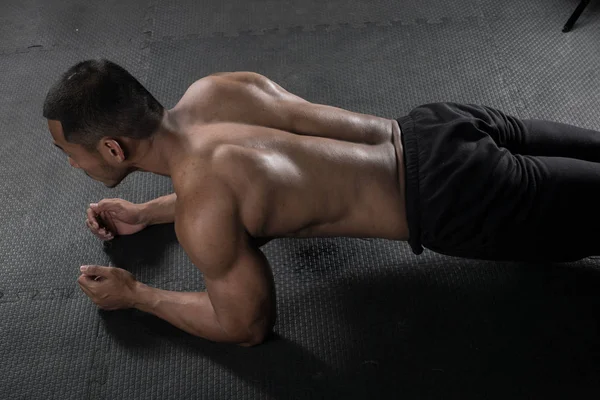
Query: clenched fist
[(111, 217)]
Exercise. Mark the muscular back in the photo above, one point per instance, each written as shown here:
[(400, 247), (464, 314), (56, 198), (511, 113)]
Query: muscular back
[(295, 168)]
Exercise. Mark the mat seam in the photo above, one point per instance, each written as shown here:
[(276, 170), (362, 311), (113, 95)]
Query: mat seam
[(507, 74), (149, 37)]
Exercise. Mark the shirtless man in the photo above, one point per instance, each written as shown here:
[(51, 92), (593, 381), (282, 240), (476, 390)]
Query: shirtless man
[(250, 161)]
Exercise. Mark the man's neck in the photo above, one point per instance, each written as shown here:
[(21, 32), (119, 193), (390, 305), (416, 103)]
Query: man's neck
[(158, 154)]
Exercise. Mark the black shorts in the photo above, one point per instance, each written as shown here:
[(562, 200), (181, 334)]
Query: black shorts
[(481, 184)]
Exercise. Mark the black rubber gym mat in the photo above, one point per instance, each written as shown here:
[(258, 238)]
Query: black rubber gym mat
[(556, 75), (377, 69), (231, 18), (48, 24), (362, 319)]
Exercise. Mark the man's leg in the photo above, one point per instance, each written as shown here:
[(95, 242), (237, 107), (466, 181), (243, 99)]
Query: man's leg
[(568, 192), (486, 185), (545, 138), (568, 180)]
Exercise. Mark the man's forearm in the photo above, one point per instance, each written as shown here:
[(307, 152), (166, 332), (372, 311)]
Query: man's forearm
[(160, 210), (189, 311)]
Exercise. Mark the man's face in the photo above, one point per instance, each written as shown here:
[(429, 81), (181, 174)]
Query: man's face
[(102, 166)]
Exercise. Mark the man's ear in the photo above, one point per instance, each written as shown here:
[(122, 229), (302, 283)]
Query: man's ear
[(113, 149)]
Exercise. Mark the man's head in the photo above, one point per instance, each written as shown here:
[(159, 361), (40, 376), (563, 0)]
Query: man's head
[(95, 112)]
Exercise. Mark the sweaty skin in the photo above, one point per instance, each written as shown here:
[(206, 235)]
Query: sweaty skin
[(250, 162), (317, 172)]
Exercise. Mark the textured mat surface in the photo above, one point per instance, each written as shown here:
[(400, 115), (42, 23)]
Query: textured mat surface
[(357, 318)]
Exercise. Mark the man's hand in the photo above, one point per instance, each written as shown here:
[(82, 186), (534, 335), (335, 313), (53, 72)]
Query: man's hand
[(111, 217), (110, 288)]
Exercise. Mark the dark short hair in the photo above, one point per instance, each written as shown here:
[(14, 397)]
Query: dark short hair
[(97, 98)]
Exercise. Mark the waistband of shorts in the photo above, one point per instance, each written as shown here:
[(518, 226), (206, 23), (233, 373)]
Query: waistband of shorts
[(410, 145)]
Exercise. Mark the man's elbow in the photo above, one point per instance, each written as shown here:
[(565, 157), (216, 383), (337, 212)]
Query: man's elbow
[(252, 336), (252, 341), (249, 335)]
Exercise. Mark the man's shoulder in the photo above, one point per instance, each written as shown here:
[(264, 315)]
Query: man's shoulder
[(208, 159), (203, 100), (221, 79), (224, 82), (200, 185)]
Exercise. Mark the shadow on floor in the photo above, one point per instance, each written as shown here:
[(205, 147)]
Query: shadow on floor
[(476, 331)]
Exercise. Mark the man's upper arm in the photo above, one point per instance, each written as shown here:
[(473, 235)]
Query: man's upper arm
[(238, 279)]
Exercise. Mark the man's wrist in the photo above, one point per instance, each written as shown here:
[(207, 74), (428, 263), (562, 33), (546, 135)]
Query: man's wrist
[(144, 297), (158, 211), (146, 214)]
